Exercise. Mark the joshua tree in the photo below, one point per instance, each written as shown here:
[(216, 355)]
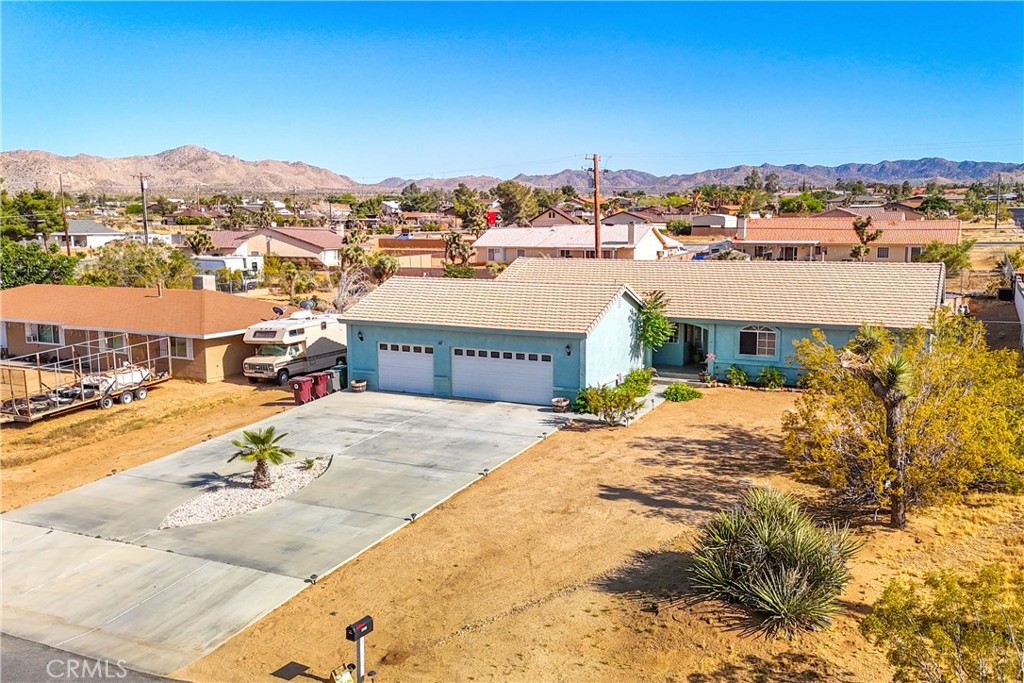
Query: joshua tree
[(866, 237), (383, 266), (199, 243), (260, 446)]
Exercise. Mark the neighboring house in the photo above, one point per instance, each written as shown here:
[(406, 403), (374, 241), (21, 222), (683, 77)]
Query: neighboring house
[(625, 218), (316, 246), (390, 207), (749, 314), (831, 239), (553, 216), (204, 327), (87, 234), (188, 214), (250, 266), (642, 242), (231, 242), (523, 342), (878, 213), (715, 225)]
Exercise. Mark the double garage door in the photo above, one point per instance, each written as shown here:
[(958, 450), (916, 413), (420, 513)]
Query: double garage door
[(516, 377)]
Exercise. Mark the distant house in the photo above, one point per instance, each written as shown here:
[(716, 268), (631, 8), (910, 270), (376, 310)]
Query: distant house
[(193, 215), (553, 216), (884, 213), (831, 239), (390, 207), (640, 242), (204, 328), (715, 225), (317, 246), (86, 234), (625, 218)]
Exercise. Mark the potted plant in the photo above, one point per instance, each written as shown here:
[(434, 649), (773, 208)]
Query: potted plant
[(559, 404), (357, 385)]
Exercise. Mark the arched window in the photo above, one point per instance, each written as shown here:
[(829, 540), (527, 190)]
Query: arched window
[(756, 340)]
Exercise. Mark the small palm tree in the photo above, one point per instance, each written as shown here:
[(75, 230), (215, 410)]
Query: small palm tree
[(260, 446)]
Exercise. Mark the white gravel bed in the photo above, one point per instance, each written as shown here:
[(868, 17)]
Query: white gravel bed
[(232, 496)]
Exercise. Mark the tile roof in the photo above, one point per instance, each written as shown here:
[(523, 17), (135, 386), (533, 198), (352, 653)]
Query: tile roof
[(840, 231), (569, 218), (178, 312), (876, 212), (487, 304), (229, 239), (321, 238), (899, 295), (559, 237), (80, 226)]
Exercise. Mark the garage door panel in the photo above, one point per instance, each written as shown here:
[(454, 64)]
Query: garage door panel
[(405, 367), (516, 377)]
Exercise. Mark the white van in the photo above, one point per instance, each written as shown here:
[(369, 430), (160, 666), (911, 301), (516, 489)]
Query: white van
[(303, 342)]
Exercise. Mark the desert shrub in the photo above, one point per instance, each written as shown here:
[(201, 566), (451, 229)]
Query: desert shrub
[(681, 392), (611, 404), (431, 227), (384, 230), (736, 376), (771, 377), (679, 227), (952, 628), (768, 555), (637, 383), (458, 270)]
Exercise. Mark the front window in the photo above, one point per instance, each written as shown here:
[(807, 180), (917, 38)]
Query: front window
[(758, 341), (181, 348), (276, 350), (114, 340), (883, 252), (43, 334), (564, 253)]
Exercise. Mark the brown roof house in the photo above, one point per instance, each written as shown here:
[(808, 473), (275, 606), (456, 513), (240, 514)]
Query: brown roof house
[(200, 328)]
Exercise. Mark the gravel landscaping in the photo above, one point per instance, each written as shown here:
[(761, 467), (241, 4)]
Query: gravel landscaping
[(232, 496)]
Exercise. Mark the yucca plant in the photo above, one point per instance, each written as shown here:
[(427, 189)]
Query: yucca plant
[(260, 446), (768, 555)]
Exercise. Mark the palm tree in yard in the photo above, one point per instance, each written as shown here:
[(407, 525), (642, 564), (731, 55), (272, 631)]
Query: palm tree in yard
[(260, 446)]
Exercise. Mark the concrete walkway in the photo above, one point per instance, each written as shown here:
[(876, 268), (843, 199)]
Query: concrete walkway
[(89, 572)]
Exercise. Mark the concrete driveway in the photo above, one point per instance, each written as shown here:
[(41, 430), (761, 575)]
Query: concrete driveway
[(88, 571)]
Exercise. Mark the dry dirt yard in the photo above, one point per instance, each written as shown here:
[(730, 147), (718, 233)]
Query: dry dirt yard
[(546, 569), (67, 451)]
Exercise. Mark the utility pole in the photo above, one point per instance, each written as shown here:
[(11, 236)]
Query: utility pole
[(999, 186), (597, 205), (145, 209), (64, 214)]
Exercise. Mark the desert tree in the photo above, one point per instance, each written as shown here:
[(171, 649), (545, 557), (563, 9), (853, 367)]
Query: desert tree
[(865, 236), (909, 418), (199, 243)]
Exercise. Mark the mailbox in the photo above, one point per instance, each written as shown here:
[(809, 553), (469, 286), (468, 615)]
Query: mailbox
[(359, 629)]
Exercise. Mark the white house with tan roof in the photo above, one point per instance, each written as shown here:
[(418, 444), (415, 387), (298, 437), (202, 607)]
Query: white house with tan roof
[(632, 241), (203, 328)]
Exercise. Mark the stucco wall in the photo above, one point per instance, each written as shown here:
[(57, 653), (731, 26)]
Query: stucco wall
[(362, 355), (610, 350), (221, 357), (838, 252), (724, 342)]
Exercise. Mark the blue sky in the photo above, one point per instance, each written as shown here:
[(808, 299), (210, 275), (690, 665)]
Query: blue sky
[(381, 89)]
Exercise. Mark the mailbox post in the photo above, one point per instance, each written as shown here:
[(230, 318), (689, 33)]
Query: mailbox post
[(355, 632)]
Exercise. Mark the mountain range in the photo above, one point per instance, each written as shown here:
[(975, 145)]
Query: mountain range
[(191, 168)]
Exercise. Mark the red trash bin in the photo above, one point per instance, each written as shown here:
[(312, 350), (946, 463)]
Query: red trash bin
[(302, 389), (320, 381)]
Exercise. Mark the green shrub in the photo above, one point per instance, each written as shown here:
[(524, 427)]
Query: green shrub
[(952, 628), (637, 383), (458, 270), (384, 230), (768, 555), (612, 404), (736, 376), (681, 392), (679, 227), (771, 377), (431, 227)]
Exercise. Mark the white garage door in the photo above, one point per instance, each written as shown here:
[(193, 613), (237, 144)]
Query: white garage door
[(510, 376), (405, 367)]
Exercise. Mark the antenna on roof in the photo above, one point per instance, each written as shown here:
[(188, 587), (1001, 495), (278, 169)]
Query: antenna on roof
[(307, 304), (278, 311)]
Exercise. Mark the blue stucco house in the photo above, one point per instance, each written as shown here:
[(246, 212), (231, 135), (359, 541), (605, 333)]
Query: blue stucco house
[(502, 340), (749, 313)]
